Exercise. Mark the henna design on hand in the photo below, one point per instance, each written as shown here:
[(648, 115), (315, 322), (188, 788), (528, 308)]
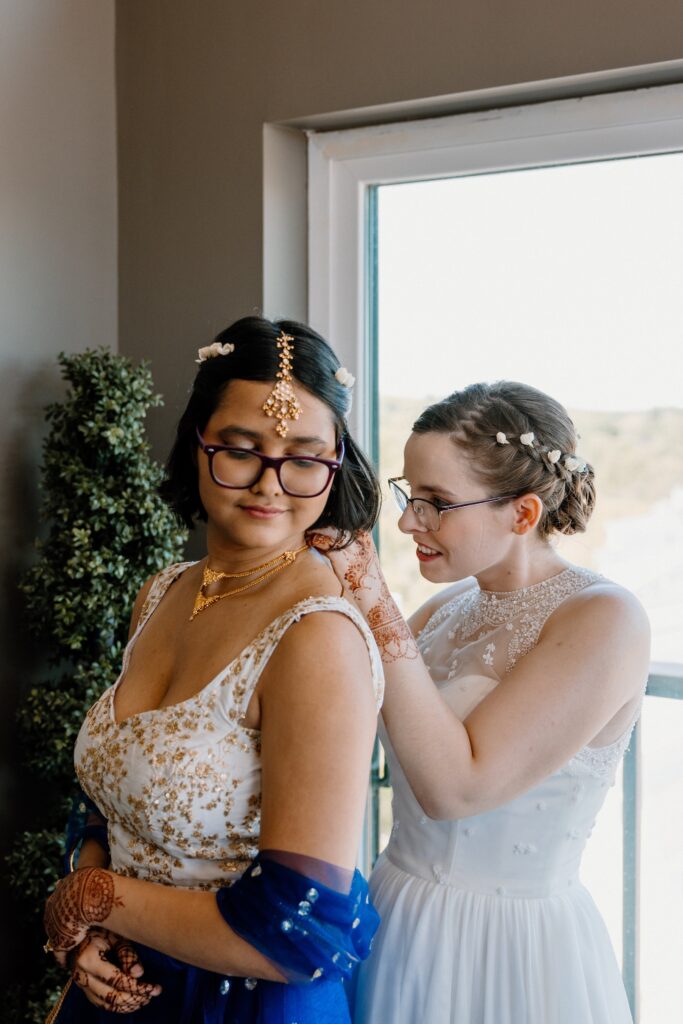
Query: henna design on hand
[(322, 541), (81, 978), (357, 568), (124, 953), (389, 628), (360, 557), (83, 898), (112, 987), (117, 1003)]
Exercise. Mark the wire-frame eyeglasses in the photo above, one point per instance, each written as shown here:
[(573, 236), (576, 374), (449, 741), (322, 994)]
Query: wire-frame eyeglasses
[(300, 476), (428, 513)]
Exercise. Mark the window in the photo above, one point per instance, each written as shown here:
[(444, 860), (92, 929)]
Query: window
[(553, 235)]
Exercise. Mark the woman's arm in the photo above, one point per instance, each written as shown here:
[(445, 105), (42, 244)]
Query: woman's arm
[(105, 966), (179, 922), (591, 661), (92, 855), (318, 723), (318, 726), (419, 619)]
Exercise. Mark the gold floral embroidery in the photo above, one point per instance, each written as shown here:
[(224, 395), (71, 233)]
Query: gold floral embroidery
[(181, 785)]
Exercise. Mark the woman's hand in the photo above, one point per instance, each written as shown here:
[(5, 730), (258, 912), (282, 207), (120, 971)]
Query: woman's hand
[(107, 969), (356, 567), (103, 965), (84, 898), (358, 570)]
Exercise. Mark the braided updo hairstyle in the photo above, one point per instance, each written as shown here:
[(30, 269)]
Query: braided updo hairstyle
[(479, 414)]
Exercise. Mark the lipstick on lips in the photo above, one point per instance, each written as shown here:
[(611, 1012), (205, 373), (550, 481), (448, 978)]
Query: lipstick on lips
[(426, 554)]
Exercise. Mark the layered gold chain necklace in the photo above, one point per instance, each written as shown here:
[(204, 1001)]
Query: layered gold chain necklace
[(266, 570)]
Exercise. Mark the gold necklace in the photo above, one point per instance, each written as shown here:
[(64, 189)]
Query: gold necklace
[(209, 576)]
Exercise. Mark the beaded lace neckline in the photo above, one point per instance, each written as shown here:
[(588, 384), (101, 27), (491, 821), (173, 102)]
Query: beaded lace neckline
[(500, 595), (477, 608), (484, 625)]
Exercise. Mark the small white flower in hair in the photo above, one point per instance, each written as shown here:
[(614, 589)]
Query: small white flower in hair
[(501, 438), (210, 351), (554, 456), (345, 378), (572, 463), (527, 439)]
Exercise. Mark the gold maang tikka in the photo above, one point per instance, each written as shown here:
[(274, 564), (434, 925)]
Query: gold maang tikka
[(281, 402)]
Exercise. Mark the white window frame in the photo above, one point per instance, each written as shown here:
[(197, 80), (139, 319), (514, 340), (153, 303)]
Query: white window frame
[(343, 167), (344, 170)]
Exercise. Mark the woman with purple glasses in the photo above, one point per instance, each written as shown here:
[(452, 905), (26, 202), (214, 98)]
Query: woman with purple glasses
[(510, 699), (229, 762)]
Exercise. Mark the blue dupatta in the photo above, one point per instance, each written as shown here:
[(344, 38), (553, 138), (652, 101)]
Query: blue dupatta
[(313, 934)]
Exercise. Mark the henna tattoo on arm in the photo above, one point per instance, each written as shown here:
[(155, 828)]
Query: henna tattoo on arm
[(391, 632), (357, 568), (84, 898)]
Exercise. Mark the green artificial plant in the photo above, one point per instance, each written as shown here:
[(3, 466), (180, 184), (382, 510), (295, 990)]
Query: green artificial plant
[(108, 530)]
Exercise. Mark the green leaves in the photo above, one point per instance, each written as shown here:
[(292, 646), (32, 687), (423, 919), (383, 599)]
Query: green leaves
[(108, 531), (34, 866)]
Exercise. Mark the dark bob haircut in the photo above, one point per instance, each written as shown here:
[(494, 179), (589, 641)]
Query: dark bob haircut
[(354, 499)]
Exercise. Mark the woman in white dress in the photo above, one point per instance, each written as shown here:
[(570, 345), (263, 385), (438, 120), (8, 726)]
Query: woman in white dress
[(500, 768)]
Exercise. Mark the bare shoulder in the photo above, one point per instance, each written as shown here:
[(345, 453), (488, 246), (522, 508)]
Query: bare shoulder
[(328, 636), (324, 652), (609, 626), (606, 606), (419, 619), (315, 578)]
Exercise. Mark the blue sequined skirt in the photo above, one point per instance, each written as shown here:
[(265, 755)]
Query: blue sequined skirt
[(316, 936), (194, 996)]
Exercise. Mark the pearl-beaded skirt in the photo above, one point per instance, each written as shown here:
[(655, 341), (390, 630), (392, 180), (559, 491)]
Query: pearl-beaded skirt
[(448, 955)]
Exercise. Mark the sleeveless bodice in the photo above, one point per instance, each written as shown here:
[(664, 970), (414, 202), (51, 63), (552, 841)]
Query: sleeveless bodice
[(181, 785), (532, 845)]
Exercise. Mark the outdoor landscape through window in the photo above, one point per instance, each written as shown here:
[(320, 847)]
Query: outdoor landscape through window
[(566, 278)]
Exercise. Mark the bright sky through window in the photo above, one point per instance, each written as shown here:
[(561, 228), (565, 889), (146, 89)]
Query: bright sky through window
[(582, 264), (570, 279)]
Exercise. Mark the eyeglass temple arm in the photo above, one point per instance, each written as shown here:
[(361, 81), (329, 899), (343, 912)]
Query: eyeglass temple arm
[(202, 442)]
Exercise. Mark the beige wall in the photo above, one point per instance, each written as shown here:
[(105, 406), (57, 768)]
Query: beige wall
[(58, 287), (197, 79)]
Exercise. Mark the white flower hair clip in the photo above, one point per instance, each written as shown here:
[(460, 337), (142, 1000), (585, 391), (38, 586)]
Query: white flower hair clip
[(210, 351), (345, 378), (572, 463), (554, 456)]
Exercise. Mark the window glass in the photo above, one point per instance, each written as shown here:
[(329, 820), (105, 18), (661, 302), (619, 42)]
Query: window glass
[(566, 278)]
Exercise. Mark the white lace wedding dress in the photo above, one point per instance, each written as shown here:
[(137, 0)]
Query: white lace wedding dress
[(484, 919)]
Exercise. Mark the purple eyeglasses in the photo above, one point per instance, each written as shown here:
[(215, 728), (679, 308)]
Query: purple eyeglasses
[(300, 476)]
